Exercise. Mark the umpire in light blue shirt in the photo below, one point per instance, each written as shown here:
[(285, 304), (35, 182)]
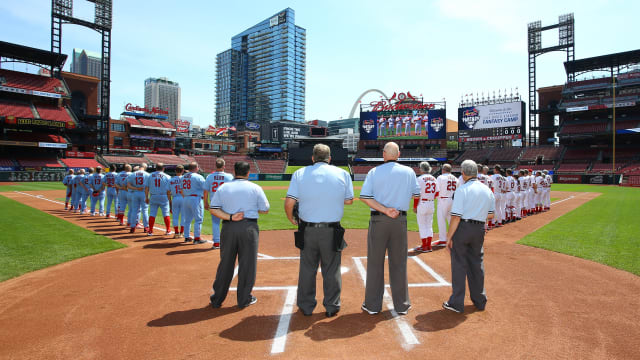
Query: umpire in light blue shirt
[(387, 190), (473, 204), (321, 190), (238, 204)]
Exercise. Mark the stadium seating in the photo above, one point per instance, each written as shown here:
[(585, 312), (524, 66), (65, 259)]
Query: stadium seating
[(53, 113), (362, 169), (623, 153), (548, 153), (6, 162), (166, 124), (630, 169), (589, 84), (579, 102), (600, 168), (17, 109), (369, 153), (584, 128), (166, 159), (49, 161), (188, 158), (580, 155), (535, 167), (627, 124), (479, 155), (208, 162), (505, 154), (32, 82), (270, 166), (80, 163), (572, 168), (119, 160), (148, 122)]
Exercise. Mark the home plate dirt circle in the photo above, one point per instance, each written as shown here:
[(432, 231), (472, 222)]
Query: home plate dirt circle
[(150, 300)]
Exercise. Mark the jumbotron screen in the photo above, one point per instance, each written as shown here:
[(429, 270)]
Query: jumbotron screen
[(493, 122)]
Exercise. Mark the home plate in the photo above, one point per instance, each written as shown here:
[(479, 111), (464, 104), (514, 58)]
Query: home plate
[(343, 269)]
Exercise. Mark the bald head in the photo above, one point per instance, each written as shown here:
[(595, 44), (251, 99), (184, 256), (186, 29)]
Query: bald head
[(391, 151)]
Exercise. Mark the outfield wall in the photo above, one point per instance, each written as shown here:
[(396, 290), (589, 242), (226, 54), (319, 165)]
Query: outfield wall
[(29, 176)]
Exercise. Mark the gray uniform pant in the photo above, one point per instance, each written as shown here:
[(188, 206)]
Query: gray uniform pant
[(467, 256), (387, 235), (238, 238), (319, 249)]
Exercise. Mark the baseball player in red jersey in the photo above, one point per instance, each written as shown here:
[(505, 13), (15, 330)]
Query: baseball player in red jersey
[(424, 207), (446, 185)]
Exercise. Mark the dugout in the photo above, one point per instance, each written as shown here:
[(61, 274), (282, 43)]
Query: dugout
[(301, 149)]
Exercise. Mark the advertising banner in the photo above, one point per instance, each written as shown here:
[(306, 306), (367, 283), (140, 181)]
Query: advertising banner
[(81, 154), (493, 122), (182, 126), (368, 128), (26, 176), (569, 179)]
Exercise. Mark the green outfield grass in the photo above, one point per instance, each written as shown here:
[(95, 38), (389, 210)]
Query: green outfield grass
[(32, 186), (25, 247), (604, 229)]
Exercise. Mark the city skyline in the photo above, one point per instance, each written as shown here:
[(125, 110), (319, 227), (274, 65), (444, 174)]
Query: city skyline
[(441, 49)]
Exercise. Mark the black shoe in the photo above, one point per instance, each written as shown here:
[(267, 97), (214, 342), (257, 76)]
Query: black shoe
[(188, 240), (332, 313), (252, 301), (446, 305), (196, 242), (305, 313), (213, 304), (368, 311)]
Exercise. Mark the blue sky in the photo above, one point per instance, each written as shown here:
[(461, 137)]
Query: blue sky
[(440, 48)]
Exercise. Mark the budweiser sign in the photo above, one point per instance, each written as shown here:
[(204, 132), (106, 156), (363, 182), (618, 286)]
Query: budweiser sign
[(399, 102), (146, 110)]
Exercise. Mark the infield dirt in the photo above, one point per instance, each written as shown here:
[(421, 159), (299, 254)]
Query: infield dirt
[(150, 300)]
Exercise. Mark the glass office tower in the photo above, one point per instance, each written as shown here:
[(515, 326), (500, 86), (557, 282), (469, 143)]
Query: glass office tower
[(262, 77)]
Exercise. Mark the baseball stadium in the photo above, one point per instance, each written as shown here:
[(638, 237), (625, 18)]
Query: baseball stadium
[(81, 279)]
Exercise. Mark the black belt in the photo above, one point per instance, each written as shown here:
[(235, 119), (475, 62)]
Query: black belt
[(245, 219), (320, 224), (473, 221), (374, 212)]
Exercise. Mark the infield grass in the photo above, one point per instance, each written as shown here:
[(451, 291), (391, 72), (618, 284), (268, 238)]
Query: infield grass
[(605, 229), (25, 247)]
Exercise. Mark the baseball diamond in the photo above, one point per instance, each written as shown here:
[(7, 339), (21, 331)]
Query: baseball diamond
[(151, 300)]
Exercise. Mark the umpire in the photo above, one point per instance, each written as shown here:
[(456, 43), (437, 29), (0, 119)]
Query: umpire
[(473, 204), (238, 204), (321, 190), (387, 190)]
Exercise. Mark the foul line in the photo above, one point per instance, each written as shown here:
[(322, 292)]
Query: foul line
[(283, 325), (559, 201)]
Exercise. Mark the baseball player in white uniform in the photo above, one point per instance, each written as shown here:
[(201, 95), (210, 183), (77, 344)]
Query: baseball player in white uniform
[(531, 197), (539, 190), (547, 195), (517, 198), (407, 125), (390, 121), (425, 124), (524, 191), (446, 185), (381, 123), (510, 196), (490, 183), (498, 183), (482, 178), (398, 125), (416, 124), (424, 207)]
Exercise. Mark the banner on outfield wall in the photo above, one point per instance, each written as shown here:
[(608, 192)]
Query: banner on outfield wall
[(28, 176), (569, 179), (634, 180)]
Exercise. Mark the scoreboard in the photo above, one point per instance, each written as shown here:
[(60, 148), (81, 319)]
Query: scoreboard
[(492, 122)]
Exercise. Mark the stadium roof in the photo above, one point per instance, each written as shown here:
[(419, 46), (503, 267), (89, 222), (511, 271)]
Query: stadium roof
[(609, 61), (31, 55)]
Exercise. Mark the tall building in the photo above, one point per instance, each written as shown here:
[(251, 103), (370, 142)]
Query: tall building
[(85, 62), (262, 77), (164, 94)]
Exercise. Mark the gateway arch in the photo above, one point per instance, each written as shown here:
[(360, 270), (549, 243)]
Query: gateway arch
[(355, 105)]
